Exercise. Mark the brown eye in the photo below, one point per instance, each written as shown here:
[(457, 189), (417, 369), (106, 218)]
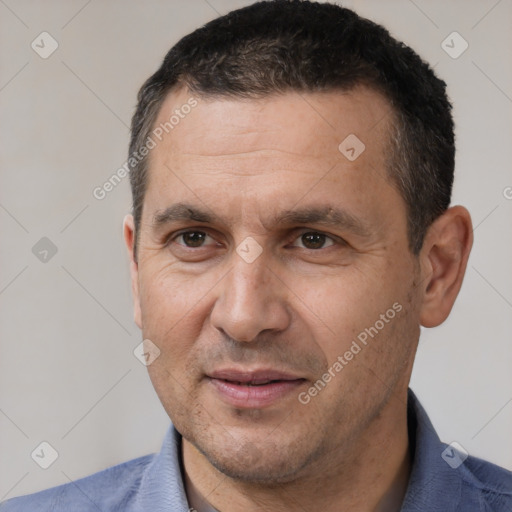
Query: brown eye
[(192, 238), (314, 240)]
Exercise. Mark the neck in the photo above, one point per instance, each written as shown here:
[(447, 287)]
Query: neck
[(370, 476)]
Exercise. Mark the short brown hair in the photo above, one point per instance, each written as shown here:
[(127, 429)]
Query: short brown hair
[(298, 45)]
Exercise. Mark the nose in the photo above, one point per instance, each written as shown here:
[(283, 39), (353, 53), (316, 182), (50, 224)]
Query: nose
[(251, 300)]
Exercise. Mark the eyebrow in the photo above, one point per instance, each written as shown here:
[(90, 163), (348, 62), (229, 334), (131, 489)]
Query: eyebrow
[(325, 215)]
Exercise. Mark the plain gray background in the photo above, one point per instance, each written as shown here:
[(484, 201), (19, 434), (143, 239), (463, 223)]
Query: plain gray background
[(68, 375)]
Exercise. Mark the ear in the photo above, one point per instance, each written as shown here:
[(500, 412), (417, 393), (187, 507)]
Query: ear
[(443, 258), (129, 238)]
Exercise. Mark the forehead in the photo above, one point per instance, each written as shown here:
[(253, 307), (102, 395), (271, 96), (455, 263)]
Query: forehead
[(270, 150), (314, 123)]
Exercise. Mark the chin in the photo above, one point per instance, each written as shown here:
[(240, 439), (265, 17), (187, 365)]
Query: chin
[(264, 462), (263, 472)]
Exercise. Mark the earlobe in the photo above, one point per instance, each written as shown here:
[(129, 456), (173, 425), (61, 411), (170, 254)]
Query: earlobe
[(129, 238), (444, 258)]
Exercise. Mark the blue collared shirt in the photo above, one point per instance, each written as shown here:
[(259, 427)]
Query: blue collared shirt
[(440, 480)]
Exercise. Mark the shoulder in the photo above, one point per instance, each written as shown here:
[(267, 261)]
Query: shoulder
[(113, 489), (445, 478), (491, 485)]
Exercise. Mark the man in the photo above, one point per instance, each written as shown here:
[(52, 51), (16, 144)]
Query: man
[(291, 171)]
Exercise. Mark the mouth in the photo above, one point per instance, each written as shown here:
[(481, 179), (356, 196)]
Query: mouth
[(254, 389)]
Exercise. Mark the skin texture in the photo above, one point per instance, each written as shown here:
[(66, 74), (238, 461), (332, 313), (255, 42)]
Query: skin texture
[(297, 307)]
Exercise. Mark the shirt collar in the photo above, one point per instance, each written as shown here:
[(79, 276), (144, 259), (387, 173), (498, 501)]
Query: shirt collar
[(430, 476), (162, 488)]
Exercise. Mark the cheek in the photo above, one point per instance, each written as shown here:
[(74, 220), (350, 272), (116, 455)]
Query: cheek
[(339, 307), (168, 296), (356, 304), (174, 307), (173, 317)]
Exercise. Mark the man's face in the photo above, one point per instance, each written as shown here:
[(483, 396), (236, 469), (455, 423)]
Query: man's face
[(295, 251)]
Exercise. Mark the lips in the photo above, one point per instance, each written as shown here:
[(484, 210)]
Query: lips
[(253, 389)]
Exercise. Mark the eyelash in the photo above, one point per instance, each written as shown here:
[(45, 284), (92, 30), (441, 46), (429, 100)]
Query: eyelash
[(334, 240)]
